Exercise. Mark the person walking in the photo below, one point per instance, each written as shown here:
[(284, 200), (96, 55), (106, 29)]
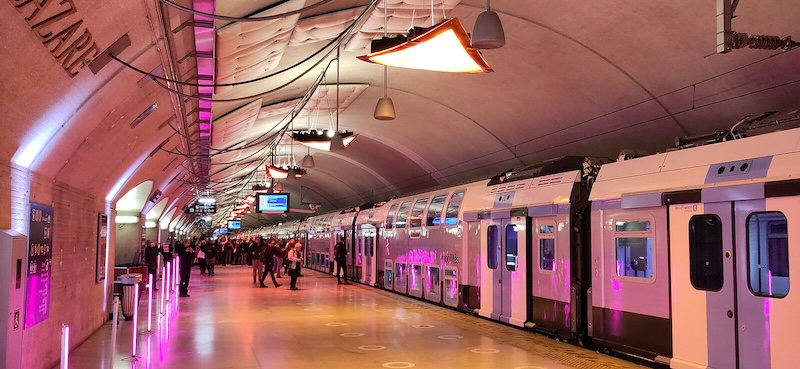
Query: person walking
[(295, 258), (340, 256), (186, 253), (268, 258), (256, 251)]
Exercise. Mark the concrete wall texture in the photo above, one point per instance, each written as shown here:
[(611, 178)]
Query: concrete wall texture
[(75, 297)]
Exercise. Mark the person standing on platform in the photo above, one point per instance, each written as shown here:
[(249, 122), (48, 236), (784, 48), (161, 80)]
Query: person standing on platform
[(151, 259), (201, 256), (268, 258), (212, 251), (186, 253), (256, 251), (278, 259), (340, 257), (295, 258)]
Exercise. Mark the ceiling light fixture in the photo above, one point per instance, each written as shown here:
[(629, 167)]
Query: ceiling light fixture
[(308, 160), (384, 110), (488, 31), (441, 48), (283, 173), (321, 140)]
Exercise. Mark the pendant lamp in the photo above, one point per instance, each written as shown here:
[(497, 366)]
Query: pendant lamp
[(384, 110), (488, 31), (308, 160)]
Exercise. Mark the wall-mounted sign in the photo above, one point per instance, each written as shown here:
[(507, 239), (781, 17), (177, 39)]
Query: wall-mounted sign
[(102, 247), (61, 31), (16, 319), (40, 252)]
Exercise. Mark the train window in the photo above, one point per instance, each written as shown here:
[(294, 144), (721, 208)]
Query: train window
[(634, 248), (768, 254), (492, 246), (435, 211), (451, 217), (547, 247), (402, 215), (415, 220), (390, 216), (511, 247), (705, 252)]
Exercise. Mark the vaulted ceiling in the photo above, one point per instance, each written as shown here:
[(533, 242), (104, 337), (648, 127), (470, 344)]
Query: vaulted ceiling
[(574, 78)]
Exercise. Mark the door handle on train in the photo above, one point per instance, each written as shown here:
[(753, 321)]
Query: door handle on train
[(730, 314)]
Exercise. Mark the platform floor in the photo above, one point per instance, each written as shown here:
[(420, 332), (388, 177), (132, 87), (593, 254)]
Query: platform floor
[(228, 322)]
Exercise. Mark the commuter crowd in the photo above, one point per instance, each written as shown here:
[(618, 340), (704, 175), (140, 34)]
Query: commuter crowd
[(272, 257)]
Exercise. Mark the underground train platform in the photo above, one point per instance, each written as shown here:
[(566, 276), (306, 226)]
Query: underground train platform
[(228, 322)]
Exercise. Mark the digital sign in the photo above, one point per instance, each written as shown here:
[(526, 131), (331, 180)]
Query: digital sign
[(272, 203), (234, 224)]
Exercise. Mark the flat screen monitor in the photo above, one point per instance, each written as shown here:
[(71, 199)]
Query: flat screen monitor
[(223, 230), (234, 224), (272, 203)]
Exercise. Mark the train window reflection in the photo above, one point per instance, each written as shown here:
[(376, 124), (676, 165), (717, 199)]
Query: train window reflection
[(492, 246), (768, 254), (435, 211), (390, 216), (705, 252), (451, 218), (547, 247), (634, 248), (402, 215), (511, 247), (415, 220)]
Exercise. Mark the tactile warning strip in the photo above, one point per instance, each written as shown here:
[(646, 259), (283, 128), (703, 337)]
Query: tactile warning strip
[(564, 353)]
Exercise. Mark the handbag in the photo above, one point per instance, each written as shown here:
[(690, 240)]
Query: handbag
[(201, 254)]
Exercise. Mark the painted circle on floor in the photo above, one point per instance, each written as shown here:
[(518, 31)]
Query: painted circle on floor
[(398, 365), (371, 347), (312, 309), (352, 334), (323, 316), (384, 310), (303, 303), (369, 304), (335, 324), (450, 337), (485, 351), (423, 326), (530, 367)]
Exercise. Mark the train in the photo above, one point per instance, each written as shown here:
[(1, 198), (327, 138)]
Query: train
[(680, 258)]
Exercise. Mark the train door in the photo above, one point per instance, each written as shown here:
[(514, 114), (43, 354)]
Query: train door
[(505, 247), (731, 301), (368, 270)]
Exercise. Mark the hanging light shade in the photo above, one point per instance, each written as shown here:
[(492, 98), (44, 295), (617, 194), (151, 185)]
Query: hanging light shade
[(384, 110), (337, 142), (488, 31), (283, 173), (321, 140), (308, 161), (442, 48)]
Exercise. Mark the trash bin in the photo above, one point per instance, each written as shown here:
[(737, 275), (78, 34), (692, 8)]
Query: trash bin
[(130, 282)]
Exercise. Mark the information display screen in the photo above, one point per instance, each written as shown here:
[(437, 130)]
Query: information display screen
[(234, 224), (272, 203)]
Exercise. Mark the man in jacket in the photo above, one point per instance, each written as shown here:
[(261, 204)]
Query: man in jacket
[(340, 256), (268, 258), (186, 252)]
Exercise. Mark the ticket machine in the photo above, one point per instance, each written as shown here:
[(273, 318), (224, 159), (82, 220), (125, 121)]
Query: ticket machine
[(13, 255)]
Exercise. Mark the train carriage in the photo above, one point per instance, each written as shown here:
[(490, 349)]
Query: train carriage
[(532, 236), (691, 254)]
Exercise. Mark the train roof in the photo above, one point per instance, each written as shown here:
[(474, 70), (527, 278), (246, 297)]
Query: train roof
[(768, 157)]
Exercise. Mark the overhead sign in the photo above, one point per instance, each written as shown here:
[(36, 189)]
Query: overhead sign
[(198, 208)]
